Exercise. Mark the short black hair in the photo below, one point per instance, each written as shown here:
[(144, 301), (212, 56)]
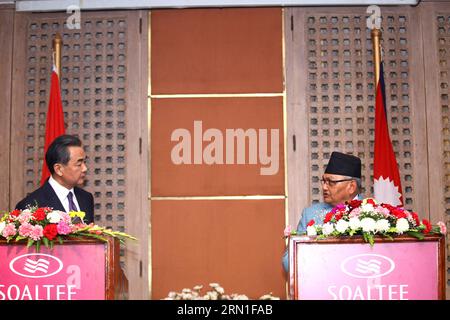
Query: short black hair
[(58, 151)]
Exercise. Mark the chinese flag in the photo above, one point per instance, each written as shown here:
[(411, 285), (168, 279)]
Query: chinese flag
[(387, 186), (54, 126)]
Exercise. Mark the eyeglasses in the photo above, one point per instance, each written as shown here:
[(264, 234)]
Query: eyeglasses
[(332, 183)]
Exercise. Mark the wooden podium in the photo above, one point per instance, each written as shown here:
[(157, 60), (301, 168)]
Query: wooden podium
[(349, 268), (79, 269)]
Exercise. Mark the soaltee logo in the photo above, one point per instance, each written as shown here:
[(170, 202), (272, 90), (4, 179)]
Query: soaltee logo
[(36, 265), (367, 265)]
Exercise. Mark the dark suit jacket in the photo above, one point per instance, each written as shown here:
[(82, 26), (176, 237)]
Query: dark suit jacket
[(45, 196)]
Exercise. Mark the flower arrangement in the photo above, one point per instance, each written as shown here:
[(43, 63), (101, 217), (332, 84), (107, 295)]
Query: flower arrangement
[(216, 293), (369, 218), (42, 225)]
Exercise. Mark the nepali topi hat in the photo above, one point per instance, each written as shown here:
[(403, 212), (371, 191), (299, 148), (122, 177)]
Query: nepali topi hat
[(344, 165)]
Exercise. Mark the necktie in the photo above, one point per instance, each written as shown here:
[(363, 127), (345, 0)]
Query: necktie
[(72, 206)]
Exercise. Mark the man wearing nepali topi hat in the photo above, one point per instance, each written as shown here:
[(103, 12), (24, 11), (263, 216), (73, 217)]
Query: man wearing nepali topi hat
[(341, 182)]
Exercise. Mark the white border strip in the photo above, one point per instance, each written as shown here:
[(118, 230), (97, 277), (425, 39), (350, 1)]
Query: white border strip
[(62, 5)]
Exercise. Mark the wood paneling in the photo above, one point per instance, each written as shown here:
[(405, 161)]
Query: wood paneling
[(216, 54), (216, 51), (330, 99), (237, 244), (6, 39), (104, 97), (218, 179), (434, 22)]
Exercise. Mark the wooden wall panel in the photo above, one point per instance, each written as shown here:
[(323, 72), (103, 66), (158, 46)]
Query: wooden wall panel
[(330, 96), (223, 67), (216, 51), (6, 39), (331, 88), (237, 244), (435, 18), (253, 114), (103, 91)]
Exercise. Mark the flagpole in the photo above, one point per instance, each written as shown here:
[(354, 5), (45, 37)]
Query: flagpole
[(56, 45), (376, 38)]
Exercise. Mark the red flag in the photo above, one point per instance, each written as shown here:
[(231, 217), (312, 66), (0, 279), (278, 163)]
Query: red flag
[(387, 186), (54, 126)]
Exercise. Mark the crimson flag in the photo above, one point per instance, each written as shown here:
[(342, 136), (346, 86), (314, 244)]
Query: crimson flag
[(54, 126), (387, 186)]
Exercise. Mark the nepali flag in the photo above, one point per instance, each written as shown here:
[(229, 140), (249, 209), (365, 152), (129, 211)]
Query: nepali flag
[(387, 186)]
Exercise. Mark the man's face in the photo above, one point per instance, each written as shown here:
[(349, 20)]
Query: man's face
[(337, 192), (74, 172)]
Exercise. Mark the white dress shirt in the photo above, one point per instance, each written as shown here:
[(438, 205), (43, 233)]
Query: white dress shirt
[(62, 193)]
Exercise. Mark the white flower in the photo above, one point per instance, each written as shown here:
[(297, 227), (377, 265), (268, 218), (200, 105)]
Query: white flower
[(268, 296), (2, 226), (212, 295), (368, 224), (402, 225), (240, 297), (382, 225), (354, 223), (342, 226), (311, 231), (186, 296), (54, 216), (327, 228), (367, 208), (220, 290)]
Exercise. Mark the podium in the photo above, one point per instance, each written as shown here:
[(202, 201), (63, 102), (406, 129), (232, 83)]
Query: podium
[(347, 268), (79, 269)]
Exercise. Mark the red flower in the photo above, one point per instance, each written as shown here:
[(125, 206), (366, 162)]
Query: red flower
[(427, 225), (416, 218), (354, 203), (15, 213), (39, 214), (328, 217), (311, 222), (370, 201), (50, 231), (398, 213)]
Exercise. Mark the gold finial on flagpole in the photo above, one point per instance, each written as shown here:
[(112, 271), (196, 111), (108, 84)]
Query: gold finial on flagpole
[(56, 53), (376, 39)]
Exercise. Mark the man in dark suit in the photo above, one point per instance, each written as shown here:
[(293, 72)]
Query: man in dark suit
[(66, 161)]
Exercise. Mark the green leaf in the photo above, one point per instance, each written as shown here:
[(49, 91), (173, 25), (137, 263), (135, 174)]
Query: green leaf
[(45, 241), (18, 238), (371, 241), (92, 235), (365, 237), (388, 236), (30, 242), (38, 246), (416, 234), (60, 240)]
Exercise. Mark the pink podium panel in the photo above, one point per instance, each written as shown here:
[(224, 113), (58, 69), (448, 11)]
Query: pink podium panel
[(389, 270), (66, 272)]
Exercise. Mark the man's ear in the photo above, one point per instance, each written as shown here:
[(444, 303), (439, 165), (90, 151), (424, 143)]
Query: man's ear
[(353, 187), (59, 169)]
